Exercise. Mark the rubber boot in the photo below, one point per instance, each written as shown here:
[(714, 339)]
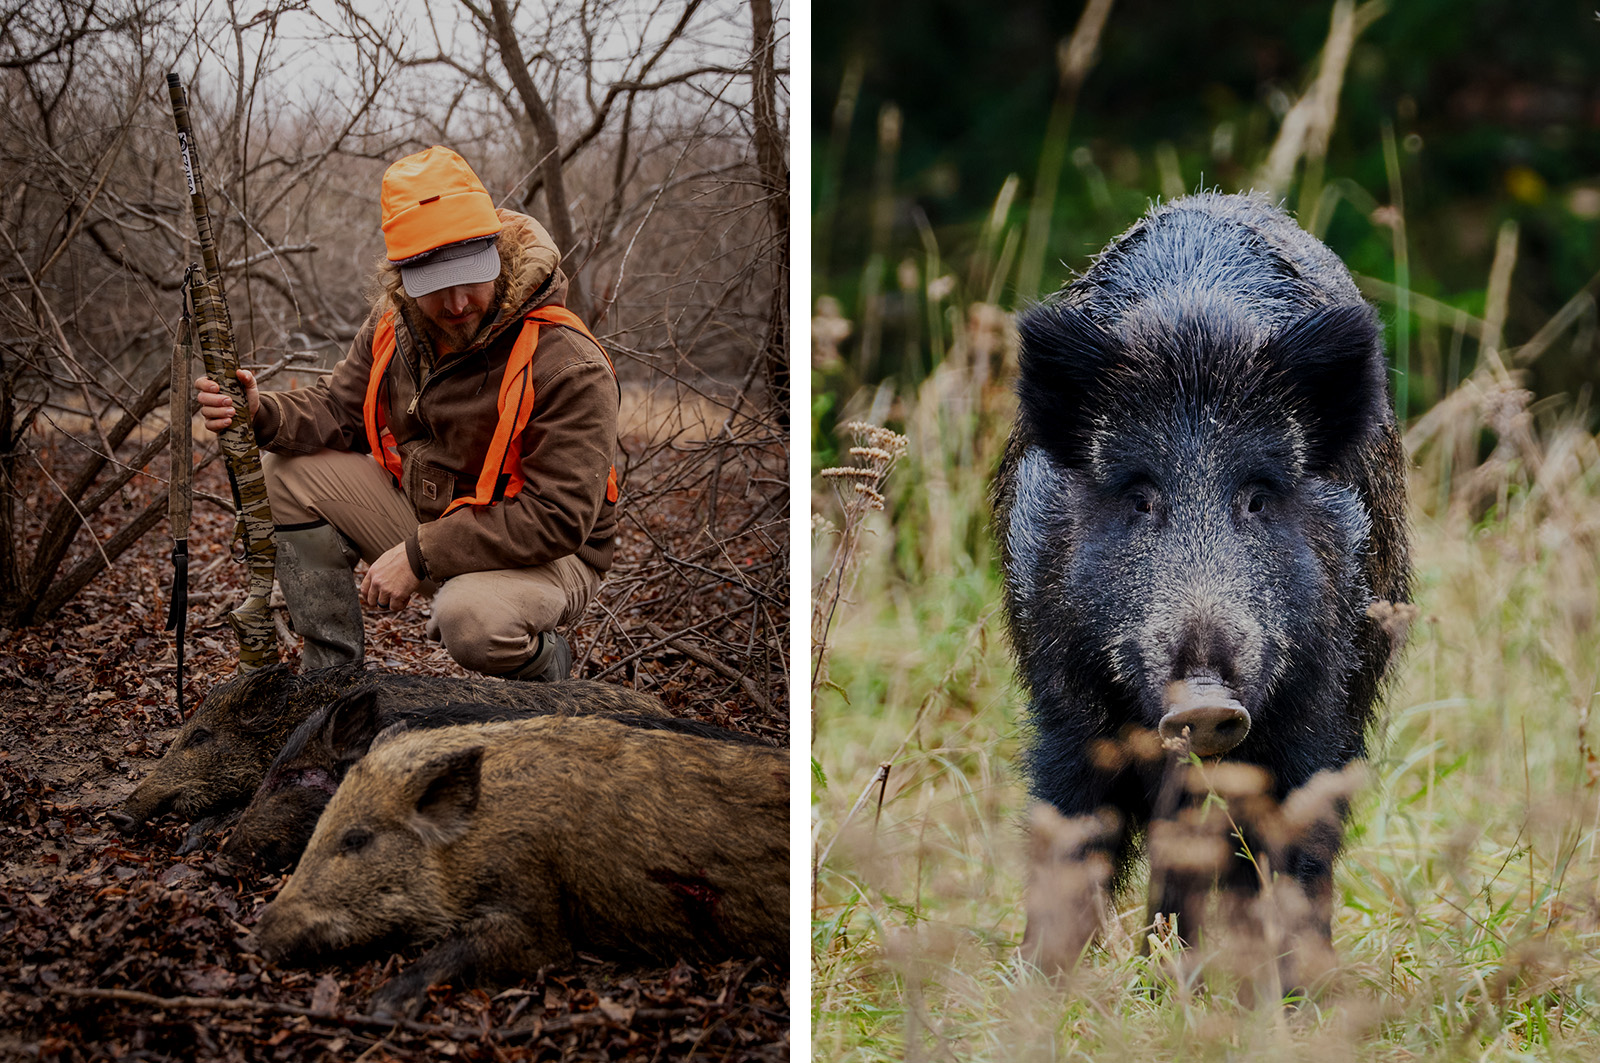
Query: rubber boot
[(316, 569), (551, 661)]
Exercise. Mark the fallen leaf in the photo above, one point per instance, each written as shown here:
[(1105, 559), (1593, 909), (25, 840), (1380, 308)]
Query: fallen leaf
[(325, 997)]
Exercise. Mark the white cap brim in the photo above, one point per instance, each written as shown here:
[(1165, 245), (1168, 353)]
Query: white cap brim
[(469, 262)]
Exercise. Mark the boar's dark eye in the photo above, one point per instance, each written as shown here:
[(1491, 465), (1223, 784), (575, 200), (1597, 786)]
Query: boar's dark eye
[(1257, 499), (355, 839), (1143, 503), (198, 737)]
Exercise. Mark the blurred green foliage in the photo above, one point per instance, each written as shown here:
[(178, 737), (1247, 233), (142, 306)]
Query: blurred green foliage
[(924, 110)]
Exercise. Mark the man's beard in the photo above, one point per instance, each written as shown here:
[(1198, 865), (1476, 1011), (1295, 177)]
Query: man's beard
[(451, 339)]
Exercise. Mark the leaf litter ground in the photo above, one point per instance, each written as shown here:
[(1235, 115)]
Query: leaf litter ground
[(115, 947)]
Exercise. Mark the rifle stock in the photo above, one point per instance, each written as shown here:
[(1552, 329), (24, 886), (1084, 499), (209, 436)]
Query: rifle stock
[(258, 644)]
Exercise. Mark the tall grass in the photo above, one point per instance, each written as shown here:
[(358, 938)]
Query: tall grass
[(1467, 905), (1467, 918)]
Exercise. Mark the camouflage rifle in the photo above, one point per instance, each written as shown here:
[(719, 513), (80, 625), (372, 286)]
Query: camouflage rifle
[(179, 501), (258, 645)]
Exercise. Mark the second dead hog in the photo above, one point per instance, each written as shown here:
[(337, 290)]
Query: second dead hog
[(223, 750), (278, 822), (506, 846)]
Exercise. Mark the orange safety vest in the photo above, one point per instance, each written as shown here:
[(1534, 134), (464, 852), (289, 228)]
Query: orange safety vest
[(515, 404)]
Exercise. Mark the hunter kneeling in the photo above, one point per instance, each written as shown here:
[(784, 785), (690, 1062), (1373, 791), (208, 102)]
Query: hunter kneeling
[(463, 447)]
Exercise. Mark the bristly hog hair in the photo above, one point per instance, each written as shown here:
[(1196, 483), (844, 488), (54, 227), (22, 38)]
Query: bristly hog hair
[(1204, 489), (275, 826), (508, 845), (222, 752)]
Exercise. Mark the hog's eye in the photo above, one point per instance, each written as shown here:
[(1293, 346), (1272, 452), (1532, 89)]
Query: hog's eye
[(1143, 503), (355, 839), (198, 737), (1257, 500)]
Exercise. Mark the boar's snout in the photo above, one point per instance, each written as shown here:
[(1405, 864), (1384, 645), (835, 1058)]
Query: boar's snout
[(283, 933), (1204, 705), (153, 797)]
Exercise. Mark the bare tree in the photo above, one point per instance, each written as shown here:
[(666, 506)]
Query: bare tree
[(94, 240), (647, 134)]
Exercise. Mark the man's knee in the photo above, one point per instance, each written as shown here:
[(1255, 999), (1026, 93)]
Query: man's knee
[(490, 621), (459, 627), (478, 631)]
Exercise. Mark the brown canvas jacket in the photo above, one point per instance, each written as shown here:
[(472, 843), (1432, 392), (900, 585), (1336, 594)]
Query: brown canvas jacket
[(444, 433)]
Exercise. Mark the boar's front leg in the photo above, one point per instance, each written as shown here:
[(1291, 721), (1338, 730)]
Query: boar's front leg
[(489, 950)]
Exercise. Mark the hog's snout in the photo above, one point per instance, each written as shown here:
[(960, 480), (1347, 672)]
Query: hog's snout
[(1206, 706)]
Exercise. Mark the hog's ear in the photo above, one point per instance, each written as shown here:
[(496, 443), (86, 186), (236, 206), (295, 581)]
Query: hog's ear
[(1333, 364), (259, 696), (1064, 359), (444, 794), (351, 724)]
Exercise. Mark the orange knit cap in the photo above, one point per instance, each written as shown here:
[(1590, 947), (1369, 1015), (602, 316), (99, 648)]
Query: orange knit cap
[(432, 199)]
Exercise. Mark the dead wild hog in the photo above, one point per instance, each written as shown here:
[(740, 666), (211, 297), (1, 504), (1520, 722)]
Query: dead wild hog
[(508, 845), (225, 746), (276, 825)]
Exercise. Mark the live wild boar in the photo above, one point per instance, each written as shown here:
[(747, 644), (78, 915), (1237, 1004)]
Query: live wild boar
[(278, 822), (1202, 496), (222, 752), (506, 846)]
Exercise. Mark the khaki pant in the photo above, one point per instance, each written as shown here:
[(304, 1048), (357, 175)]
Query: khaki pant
[(488, 621)]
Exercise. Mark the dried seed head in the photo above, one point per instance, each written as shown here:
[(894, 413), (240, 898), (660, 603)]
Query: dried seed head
[(878, 437), (1395, 618), (1067, 877), (1174, 848), (1109, 756), (1229, 779), (1504, 405), (1323, 798), (874, 499), (1143, 745)]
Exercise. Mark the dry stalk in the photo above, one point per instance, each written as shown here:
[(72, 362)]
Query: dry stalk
[(859, 488)]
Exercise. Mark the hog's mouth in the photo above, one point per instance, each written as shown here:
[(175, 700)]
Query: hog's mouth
[(1208, 710)]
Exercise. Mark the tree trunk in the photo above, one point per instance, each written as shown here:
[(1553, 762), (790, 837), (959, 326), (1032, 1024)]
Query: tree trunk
[(774, 170), (548, 144)]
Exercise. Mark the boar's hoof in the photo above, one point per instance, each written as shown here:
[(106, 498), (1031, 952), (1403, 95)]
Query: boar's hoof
[(203, 832), (1215, 720), (402, 997), (122, 821)]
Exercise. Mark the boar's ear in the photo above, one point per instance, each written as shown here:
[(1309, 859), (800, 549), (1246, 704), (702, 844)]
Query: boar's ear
[(443, 795), (258, 697), (351, 724), (1064, 358), (1332, 361)]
